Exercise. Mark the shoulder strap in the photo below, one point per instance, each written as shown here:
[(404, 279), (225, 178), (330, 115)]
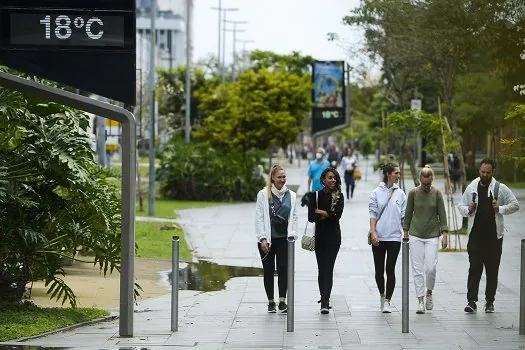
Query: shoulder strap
[(316, 197), (496, 190), (386, 205)]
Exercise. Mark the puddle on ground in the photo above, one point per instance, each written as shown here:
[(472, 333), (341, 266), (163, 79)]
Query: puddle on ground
[(208, 277)]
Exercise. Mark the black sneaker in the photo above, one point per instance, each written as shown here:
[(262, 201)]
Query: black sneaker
[(471, 307), (489, 308), (271, 307), (325, 307), (283, 307)]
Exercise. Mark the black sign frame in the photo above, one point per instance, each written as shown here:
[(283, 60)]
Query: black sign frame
[(107, 71)]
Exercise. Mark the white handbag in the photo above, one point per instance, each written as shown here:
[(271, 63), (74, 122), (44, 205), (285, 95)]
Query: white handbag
[(308, 239)]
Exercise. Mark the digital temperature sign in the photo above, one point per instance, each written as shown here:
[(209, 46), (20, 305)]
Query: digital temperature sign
[(66, 29), (86, 44)]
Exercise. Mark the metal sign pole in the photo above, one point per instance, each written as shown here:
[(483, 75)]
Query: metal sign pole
[(522, 289), (127, 120), (175, 284)]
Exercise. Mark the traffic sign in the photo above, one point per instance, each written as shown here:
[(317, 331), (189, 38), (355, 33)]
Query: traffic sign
[(86, 44)]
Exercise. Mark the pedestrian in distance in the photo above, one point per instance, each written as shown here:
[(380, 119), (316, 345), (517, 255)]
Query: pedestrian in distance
[(325, 208), (275, 221), (387, 211), (425, 221), (315, 170), (484, 202), (348, 165)]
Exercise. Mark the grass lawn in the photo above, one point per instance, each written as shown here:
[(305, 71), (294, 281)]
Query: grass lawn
[(167, 208), (153, 242), (18, 321)]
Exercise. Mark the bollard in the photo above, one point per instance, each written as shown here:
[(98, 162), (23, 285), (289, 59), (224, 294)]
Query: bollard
[(291, 278), (175, 284), (522, 289), (404, 287)]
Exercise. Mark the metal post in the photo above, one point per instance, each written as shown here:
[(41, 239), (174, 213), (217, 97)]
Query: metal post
[(127, 272), (291, 281), (522, 289), (153, 32), (175, 284), (101, 140), (404, 287), (187, 112)]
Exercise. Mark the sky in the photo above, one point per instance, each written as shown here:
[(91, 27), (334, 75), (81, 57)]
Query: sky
[(281, 26)]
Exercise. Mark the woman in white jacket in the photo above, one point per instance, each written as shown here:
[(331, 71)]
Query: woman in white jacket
[(275, 221), (387, 210)]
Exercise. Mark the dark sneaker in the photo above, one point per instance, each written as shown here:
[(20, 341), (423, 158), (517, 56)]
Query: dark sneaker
[(283, 307), (325, 307), (271, 307), (489, 308), (471, 307)]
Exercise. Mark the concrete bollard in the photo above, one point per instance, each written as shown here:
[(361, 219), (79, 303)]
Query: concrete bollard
[(405, 292), (522, 289), (291, 281), (175, 284)]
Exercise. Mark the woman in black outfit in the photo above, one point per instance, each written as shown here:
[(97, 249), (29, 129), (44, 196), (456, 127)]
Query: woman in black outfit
[(326, 212)]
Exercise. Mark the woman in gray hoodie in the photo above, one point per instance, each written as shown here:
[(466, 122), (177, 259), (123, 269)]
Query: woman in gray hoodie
[(387, 210)]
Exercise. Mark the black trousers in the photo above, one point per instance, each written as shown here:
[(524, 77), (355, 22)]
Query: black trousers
[(390, 250), (325, 254), (278, 252), (350, 184), (483, 255)]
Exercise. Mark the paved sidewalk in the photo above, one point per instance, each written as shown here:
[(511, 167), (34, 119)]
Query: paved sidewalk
[(236, 317)]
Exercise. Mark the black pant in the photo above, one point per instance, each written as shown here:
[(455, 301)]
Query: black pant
[(479, 255), (326, 254), (350, 184), (278, 251), (390, 249)]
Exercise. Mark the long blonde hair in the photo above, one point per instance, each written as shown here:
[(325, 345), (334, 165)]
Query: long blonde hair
[(273, 170), (426, 171)]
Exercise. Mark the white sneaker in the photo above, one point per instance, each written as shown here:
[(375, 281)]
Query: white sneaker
[(382, 303), (421, 308), (429, 302), (386, 307)]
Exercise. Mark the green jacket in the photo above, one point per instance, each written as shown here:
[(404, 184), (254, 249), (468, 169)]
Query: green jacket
[(425, 215)]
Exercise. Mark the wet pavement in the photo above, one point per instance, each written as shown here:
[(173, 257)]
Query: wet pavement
[(236, 318)]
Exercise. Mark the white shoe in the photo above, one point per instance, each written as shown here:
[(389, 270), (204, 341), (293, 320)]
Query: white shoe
[(386, 308), (421, 308), (382, 303), (429, 302)]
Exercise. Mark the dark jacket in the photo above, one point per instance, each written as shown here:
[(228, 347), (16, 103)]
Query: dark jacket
[(327, 230)]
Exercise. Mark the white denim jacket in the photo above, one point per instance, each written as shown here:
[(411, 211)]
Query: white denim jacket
[(262, 216), (507, 202)]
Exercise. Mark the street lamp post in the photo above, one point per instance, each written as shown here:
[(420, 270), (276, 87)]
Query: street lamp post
[(220, 51), (235, 31)]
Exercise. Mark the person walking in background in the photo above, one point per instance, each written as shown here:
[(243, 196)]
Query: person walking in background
[(275, 220), (315, 170), (348, 165), (425, 220), (454, 171), (484, 202), (387, 210), (325, 208)]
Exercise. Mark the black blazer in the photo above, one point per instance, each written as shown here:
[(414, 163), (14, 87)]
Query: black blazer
[(327, 230)]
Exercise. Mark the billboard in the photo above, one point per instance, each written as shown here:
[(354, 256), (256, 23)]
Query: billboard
[(328, 95)]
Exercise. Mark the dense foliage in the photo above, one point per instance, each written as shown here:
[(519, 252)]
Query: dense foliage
[(54, 198), (196, 171)]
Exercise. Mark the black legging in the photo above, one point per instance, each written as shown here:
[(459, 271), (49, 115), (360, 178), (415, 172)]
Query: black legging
[(278, 251), (326, 255), (350, 184), (391, 250)]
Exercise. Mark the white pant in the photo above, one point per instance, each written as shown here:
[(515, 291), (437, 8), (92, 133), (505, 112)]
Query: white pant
[(424, 257)]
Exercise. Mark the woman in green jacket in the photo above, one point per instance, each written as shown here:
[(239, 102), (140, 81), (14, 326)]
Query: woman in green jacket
[(425, 220)]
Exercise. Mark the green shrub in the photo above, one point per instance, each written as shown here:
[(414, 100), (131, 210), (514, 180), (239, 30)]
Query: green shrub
[(192, 171)]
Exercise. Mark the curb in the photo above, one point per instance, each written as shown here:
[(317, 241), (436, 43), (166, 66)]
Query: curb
[(63, 329)]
